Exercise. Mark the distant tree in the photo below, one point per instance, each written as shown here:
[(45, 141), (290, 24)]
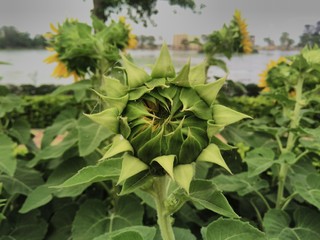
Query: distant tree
[(309, 29), (285, 41), (137, 10), (309, 40), (142, 41), (310, 36), (146, 42), (317, 28), (269, 41), (151, 42), (10, 37), (185, 43), (39, 41), (290, 43)]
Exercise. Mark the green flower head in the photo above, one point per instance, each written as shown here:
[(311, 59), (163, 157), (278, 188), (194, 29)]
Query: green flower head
[(165, 121)]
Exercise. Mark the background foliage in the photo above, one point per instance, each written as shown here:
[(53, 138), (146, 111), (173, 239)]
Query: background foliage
[(57, 188)]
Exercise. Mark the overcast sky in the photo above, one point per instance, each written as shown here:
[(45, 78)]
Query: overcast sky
[(265, 18)]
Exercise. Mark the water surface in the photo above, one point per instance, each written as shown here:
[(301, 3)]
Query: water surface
[(27, 66)]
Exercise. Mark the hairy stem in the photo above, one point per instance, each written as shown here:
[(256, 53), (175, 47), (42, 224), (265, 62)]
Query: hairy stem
[(288, 200), (164, 219), (281, 182), (291, 140), (264, 200), (258, 213), (7, 204)]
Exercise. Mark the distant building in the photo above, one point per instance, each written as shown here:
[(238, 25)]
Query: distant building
[(183, 42)]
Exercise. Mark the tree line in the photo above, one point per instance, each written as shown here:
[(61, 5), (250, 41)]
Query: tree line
[(11, 38), (309, 37), (286, 43)]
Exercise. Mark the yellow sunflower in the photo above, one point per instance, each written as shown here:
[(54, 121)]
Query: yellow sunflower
[(245, 38), (132, 38), (61, 70), (264, 75)]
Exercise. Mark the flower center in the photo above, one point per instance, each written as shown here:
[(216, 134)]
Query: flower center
[(161, 124)]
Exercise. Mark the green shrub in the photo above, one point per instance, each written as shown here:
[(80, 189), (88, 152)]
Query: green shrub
[(41, 111), (28, 89)]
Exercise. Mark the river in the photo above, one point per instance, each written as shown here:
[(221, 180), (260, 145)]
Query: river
[(27, 66)]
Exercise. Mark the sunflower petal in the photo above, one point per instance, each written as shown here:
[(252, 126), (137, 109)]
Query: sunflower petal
[(52, 58), (53, 28)]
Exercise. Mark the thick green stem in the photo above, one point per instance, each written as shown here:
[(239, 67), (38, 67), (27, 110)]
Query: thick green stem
[(291, 140), (98, 78), (295, 120), (281, 182), (160, 187)]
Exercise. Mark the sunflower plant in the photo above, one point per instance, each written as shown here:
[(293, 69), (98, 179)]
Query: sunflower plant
[(243, 43), (280, 150), (282, 74), (294, 84), (230, 39), (80, 49), (164, 124), (267, 77)]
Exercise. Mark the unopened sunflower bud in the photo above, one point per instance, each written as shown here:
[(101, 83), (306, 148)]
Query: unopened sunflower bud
[(167, 121)]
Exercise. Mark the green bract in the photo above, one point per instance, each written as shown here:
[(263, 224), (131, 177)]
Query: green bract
[(165, 122), (80, 48)]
